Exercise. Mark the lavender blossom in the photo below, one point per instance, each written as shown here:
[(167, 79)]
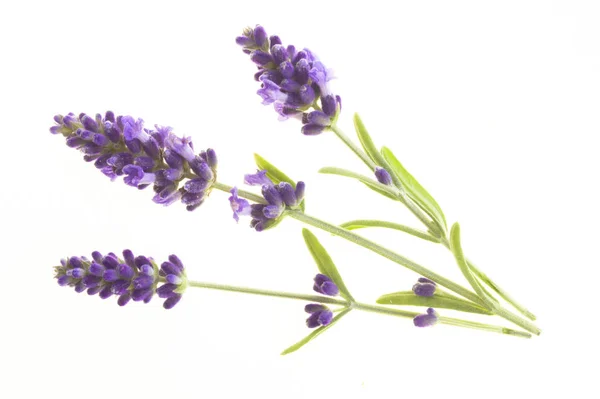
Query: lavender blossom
[(424, 287), (278, 198), (320, 315), (426, 320), (324, 285), (121, 146), (293, 81), (132, 277)]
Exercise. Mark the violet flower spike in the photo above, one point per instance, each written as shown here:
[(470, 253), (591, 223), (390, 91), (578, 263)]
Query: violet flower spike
[(121, 146), (295, 82), (129, 278)]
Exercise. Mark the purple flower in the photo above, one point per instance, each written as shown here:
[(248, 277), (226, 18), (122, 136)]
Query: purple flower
[(424, 287), (128, 278), (324, 285), (383, 176), (239, 206), (320, 315), (276, 199), (293, 81), (426, 320), (121, 146)]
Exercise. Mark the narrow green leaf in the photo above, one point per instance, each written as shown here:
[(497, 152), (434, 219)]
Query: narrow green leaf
[(273, 173), (359, 224), (414, 190), (325, 263), (372, 184), (315, 333), (365, 139), (456, 248), (439, 300)]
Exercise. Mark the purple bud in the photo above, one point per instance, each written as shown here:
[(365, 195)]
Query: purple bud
[(271, 194), (279, 53), (324, 285), (211, 158), (89, 123), (287, 193), (166, 290), (125, 271), (110, 275), (96, 269), (426, 320), (260, 36), (272, 211), (197, 185), (312, 129), (287, 69), (424, 289), (261, 58), (172, 301), (300, 186), (383, 176), (275, 40), (124, 299)]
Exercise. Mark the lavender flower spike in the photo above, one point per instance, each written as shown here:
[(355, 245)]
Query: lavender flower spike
[(128, 278), (121, 146), (295, 82), (320, 315), (426, 320)]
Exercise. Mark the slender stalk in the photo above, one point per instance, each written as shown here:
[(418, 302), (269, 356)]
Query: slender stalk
[(359, 223), (355, 305), (356, 149), (277, 294), (241, 193), (386, 253)]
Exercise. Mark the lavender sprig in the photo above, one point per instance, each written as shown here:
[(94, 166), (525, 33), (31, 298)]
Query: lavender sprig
[(294, 81), (132, 277), (121, 146)]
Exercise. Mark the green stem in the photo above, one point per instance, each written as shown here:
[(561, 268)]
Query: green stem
[(356, 149), (277, 294), (386, 253), (430, 224), (241, 193), (359, 223), (355, 305)]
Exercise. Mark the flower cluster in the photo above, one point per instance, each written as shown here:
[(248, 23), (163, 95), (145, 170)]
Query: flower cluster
[(321, 315), (131, 278), (121, 146), (277, 199), (424, 287), (427, 319), (294, 81)]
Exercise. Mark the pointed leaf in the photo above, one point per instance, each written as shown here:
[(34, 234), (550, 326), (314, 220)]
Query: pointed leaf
[(359, 224), (414, 190), (439, 300), (315, 333), (273, 173), (374, 185), (456, 248), (365, 140), (324, 263)]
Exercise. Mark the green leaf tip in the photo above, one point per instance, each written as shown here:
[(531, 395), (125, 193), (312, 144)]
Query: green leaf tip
[(315, 333), (414, 189)]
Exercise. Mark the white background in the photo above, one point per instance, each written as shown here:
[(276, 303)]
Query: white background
[(493, 105)]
